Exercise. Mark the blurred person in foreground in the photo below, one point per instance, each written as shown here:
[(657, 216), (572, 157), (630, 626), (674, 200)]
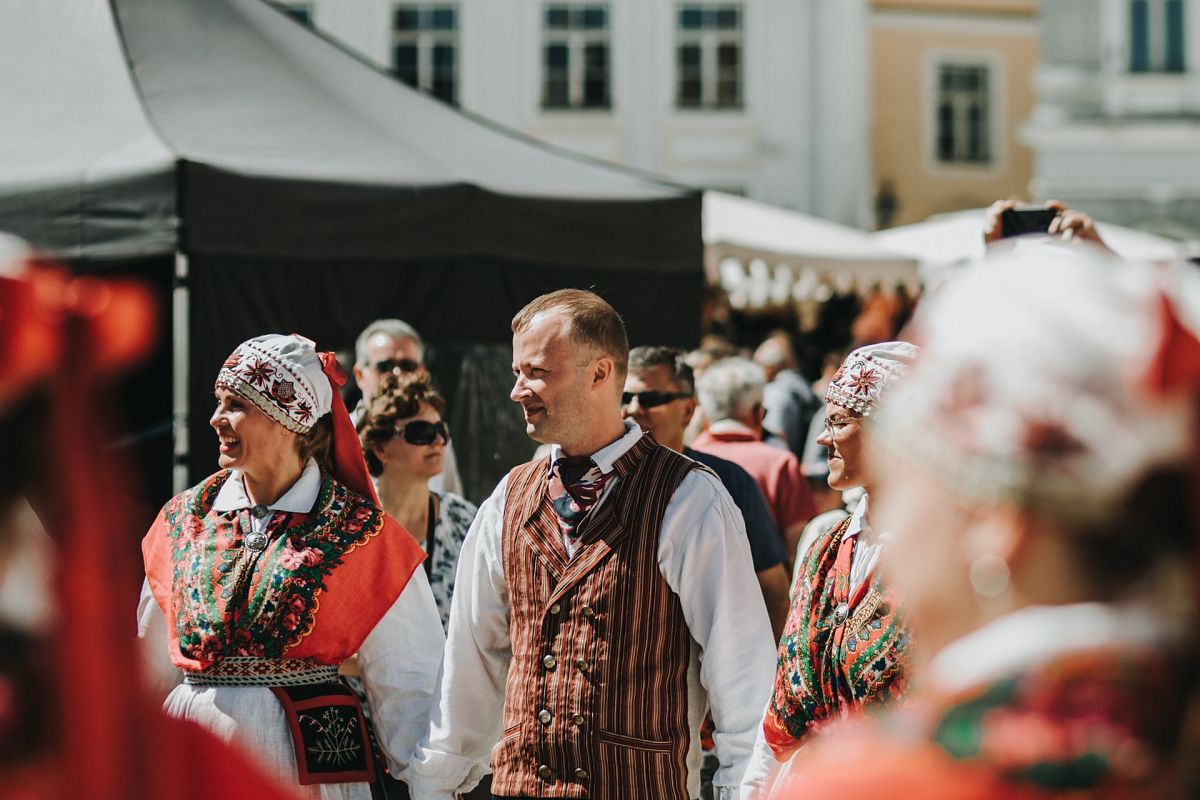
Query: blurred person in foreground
[(75, 717), (660, 396), (1034, 480), (606, 597), (731, 394), (845, 644), (263, 578), (404, 440), (393, 347)]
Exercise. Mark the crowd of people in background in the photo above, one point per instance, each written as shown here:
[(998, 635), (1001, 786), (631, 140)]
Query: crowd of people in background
[(960, 561)]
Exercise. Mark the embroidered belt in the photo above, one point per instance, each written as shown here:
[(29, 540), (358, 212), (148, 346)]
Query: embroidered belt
[(249, 671)]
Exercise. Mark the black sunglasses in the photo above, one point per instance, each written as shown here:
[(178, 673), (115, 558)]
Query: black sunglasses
[(420, 431), (652, 399), (392, 365)]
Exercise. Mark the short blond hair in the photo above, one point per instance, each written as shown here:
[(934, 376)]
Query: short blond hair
[(593, 323)]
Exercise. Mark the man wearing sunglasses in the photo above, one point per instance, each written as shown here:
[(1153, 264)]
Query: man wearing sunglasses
[(660, 397), (393, 347), (606, 598)]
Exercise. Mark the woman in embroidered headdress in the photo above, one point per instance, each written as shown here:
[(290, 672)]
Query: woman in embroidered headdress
[(1043, 526), (264, 577), (845, 639)]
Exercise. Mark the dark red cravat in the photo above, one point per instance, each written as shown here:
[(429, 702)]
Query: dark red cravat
[(575, 484)]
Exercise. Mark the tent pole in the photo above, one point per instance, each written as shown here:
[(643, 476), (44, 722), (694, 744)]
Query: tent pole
[(179, 369)]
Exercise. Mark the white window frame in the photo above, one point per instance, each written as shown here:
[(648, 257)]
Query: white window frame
[(710, 41), (1156, 43), (426, 40), (576, 40), (996, 65)]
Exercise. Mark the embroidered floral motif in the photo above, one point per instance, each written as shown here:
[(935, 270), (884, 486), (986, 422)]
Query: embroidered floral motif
[(1082, 723), (275, 609), (259, 373), (828, 658), (284, 392), (865, 381)]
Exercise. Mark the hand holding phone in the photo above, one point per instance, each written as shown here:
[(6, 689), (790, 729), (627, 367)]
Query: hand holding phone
[(1022, 221)]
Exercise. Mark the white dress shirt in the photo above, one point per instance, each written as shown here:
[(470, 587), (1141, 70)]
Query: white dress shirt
[(399, 662), (703, 555)]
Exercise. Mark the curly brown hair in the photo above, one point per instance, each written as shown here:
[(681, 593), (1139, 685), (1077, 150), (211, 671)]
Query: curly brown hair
[(317, 443), (400, 397)]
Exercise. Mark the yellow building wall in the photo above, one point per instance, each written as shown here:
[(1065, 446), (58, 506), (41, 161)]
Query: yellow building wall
[(903, 84)]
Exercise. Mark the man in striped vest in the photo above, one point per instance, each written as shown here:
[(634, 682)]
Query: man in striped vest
[(606, 598)]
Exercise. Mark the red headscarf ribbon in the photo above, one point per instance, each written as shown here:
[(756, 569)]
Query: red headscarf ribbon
[(349, 467)]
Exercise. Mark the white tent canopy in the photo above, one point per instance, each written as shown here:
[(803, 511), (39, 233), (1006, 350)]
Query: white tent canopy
[(762, 254), (946, 240)]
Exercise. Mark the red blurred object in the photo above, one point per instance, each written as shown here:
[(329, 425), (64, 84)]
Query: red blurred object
[(67, 336)]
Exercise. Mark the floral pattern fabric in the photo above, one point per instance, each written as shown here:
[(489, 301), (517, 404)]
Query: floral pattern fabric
[(230, 600), (455, 515), (837, 651), (1103, 723)]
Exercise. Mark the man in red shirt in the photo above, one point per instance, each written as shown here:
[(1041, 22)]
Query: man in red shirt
[(730, 394)]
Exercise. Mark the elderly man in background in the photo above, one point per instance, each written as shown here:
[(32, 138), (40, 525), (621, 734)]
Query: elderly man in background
[(731, 396), (393, 347), (788, 398), (660, 396)]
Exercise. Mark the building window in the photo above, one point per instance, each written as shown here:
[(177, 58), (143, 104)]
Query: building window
[(964, 116), (425, 48), (708, 56), (576, 71), (1156, 36), (301, 12)]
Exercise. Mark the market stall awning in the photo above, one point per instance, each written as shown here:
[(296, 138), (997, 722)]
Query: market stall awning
[(945, 241), (764, 255)]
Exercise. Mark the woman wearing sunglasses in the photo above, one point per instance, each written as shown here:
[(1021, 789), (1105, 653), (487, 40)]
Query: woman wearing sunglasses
[(404, 440)]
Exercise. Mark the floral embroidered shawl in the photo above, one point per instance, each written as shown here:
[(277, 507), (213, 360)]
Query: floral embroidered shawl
[(1106, 724), (320, 586), (837, 651)]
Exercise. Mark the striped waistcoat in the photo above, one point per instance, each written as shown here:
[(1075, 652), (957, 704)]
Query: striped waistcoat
[(596, 701)]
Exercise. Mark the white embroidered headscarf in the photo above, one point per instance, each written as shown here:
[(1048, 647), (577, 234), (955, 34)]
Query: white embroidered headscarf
[(282, 376), (1031, 386), (867, 373)]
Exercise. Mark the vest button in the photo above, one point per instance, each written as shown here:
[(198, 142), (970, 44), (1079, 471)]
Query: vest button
[(549, 662), (544, 772), (544, 716), (588, 611), (581, 665), (581, 774), (841, 613), (577, 720), (555, 608)]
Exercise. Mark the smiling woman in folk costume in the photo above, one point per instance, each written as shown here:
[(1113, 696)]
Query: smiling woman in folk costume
[(1035, 483), (845, 642), (263, 578)]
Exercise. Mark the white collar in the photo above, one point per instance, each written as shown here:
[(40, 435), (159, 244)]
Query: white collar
[(1036, 634), (858, 520), (607, 456), (729, 425), (299, 498)]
